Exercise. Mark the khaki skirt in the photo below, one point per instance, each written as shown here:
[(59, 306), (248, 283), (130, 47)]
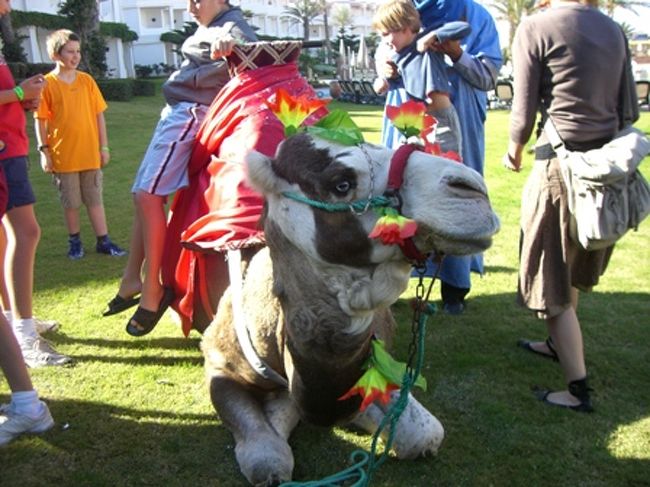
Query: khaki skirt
[(550, 262)]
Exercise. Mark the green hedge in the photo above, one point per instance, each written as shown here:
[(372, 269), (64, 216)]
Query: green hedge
[(116, 89), (20, 18), (112, 89), (143, 87), (117, 30), (125, 89)]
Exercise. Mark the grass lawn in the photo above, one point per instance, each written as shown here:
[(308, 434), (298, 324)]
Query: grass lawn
[(134, 412)]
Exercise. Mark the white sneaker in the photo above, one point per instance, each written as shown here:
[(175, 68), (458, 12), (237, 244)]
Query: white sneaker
[(13, 425), (46, 326), (40, 353)]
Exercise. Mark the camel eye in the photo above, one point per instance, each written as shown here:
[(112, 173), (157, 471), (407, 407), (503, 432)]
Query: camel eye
[(343, 187)]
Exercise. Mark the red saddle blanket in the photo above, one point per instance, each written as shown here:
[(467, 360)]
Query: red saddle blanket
[(218, 211)]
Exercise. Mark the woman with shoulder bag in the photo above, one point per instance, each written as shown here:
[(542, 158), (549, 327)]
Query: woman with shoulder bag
[(569, 59)]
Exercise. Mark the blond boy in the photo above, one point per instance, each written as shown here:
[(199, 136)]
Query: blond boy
[(422, 75), (73, 142)]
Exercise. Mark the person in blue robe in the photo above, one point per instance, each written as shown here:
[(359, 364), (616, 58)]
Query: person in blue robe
[(476, 60)]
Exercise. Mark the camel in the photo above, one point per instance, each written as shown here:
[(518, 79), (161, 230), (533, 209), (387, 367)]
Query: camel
[(310, 301)]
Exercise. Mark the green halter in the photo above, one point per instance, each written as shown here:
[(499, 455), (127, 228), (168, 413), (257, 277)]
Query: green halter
[(358, 206)]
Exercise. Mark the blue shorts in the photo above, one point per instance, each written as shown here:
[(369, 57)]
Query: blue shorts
[(4, 192), (164, 167), (20, 189)]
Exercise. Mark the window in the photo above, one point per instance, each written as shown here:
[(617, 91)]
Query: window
[(151, 18)]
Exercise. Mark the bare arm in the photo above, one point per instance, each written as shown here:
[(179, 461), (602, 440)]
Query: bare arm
[(40, 128), (105, 153), (31, 89), (8, 96)]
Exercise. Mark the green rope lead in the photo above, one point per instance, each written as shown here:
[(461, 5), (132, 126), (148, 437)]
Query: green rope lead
[(368, 462), (355, 206)]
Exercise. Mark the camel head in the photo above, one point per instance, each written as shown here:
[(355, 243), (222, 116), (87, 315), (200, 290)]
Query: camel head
[(310, 178)]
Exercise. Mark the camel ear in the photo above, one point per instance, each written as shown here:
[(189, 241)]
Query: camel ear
[(260, 173)]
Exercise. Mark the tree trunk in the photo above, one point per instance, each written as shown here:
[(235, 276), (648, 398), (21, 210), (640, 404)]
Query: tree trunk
[(328, 46), (6, 29)]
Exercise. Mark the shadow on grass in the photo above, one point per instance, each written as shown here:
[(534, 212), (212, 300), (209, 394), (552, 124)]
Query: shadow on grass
[(153, 359), (480, 387), (106, 445), (166, 343), (154, 351), (499, 268)]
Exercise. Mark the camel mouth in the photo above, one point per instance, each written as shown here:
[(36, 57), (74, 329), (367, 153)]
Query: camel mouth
[(477, 238)]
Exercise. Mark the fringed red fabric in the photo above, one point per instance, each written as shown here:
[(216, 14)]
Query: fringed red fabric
[(218, 211)]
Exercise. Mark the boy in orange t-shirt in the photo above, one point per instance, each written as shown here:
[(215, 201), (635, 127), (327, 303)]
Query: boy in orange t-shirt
[(73, 142)]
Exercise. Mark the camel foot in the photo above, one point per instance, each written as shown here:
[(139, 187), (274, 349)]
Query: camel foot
[(418, 433), (266, 460)]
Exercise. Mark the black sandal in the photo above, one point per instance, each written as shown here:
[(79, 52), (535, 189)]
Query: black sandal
[(119, 304), (579, 389), (526, 345), (144, 321)]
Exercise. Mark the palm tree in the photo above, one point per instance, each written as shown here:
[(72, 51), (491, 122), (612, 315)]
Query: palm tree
[(343, 18), (512, 11), (328, 48), (610, 5), (304, 11)]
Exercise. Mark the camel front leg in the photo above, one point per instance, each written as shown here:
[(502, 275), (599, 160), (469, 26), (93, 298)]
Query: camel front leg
[(281, 413), (264, 456)]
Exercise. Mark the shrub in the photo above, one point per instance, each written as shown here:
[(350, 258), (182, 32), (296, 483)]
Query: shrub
[(142, 87), (143, 71), (116, 89), (21, 71), (149, 70), (13, 49), (18, 70), (38, 68)]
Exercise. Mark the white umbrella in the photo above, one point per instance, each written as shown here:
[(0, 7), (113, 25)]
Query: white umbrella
[(363, 62), (342, 55), (342, 63)]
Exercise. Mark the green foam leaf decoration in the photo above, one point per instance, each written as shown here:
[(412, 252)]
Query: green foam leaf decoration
[(389, 367), (337, 126)]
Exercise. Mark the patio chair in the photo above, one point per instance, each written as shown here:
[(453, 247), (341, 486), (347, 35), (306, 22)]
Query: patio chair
[(347, 93), (643, 93), (358, 91), (503, 93), (372, 96)]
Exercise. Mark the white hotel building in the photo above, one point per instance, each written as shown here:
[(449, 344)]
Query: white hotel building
[(151, 18)]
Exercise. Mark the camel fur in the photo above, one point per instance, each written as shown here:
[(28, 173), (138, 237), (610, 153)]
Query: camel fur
[(315, 296)]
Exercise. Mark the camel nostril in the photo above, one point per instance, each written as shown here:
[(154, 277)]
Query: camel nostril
[(465, 189)]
